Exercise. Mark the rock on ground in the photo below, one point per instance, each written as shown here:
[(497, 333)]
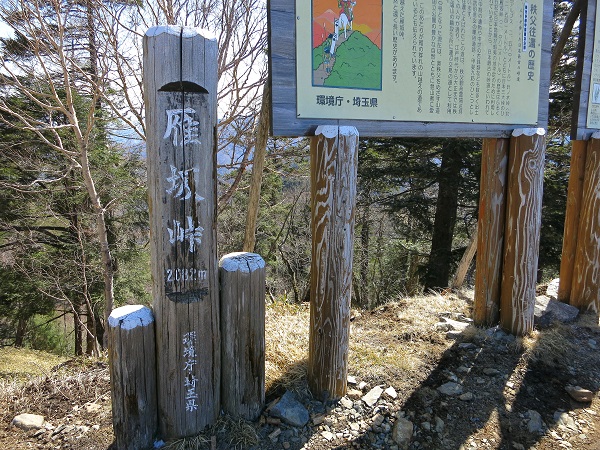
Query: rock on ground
[(290, 410), (373, 395), (548, 311), (402, 432), (552, 289), (28, 421), (580, 394)]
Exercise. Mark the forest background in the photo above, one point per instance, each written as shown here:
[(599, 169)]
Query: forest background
[(73, 202)]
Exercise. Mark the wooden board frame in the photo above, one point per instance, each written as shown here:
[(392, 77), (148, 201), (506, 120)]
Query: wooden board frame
[(583, 77), (282, 71)]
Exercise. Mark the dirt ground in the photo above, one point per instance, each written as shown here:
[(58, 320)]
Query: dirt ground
[(505, 383)]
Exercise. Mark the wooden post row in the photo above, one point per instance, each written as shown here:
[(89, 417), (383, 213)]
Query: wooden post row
[(585, 291), (572, 216), (131, 351), (522, 230), (334, 161), (180, 85), (242, 279), (490, 234)]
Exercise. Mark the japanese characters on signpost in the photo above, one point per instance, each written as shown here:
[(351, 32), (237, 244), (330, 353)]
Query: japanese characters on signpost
[(180, 80)]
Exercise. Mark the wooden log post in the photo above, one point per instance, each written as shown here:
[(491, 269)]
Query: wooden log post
[(585, 293), (131, 352), (465, 262), (180, 82), (334, 161), (572, 215), (522, 231), (490, 226), (242, 279)]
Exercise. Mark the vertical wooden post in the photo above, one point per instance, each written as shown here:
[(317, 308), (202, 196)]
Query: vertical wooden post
[(572, 215), (490, 235), (180, 86), (585, 293), (334, 161), (131, 351), (522, 232), (242, 279)]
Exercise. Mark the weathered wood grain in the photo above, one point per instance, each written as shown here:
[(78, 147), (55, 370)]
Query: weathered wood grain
[(131, 352), (572, 216), (282, 67), (490, 226), (334, 161), (242, 279), (585, 293), (465, 262), (522, 232), (180, 81)]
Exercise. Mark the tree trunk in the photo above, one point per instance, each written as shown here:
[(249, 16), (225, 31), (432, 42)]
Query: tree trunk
[(260, 151), (365, 234), (78, 323), (440, 257), (20, 333)]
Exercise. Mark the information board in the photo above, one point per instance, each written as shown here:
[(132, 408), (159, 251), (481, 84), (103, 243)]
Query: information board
[(586, 109), (411, 67)]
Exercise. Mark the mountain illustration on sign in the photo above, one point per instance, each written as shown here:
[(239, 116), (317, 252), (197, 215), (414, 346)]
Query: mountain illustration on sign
[(347, 44)]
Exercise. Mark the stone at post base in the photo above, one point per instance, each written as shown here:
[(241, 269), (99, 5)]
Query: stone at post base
[(548, 311), (290, 410)]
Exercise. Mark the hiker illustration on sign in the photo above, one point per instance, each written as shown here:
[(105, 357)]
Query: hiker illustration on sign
[(346, 43)]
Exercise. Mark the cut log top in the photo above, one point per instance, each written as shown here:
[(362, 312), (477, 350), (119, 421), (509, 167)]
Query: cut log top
[(178, 30), (331, 131), (241, 262), (130, 316), (529, 132)]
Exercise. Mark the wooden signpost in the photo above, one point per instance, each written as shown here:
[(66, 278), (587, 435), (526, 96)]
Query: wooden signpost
[(490, 231), (333, 165), (180, 85), (131, 347), (522, 230), (242, 279), (580, 262), (585, 290)]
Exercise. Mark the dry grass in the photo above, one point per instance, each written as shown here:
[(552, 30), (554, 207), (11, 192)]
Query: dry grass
[(199, 442), (287, 329), (549, 347), (23, 363), (238, 434), (371, 355), (408, 324), (67, 382)]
